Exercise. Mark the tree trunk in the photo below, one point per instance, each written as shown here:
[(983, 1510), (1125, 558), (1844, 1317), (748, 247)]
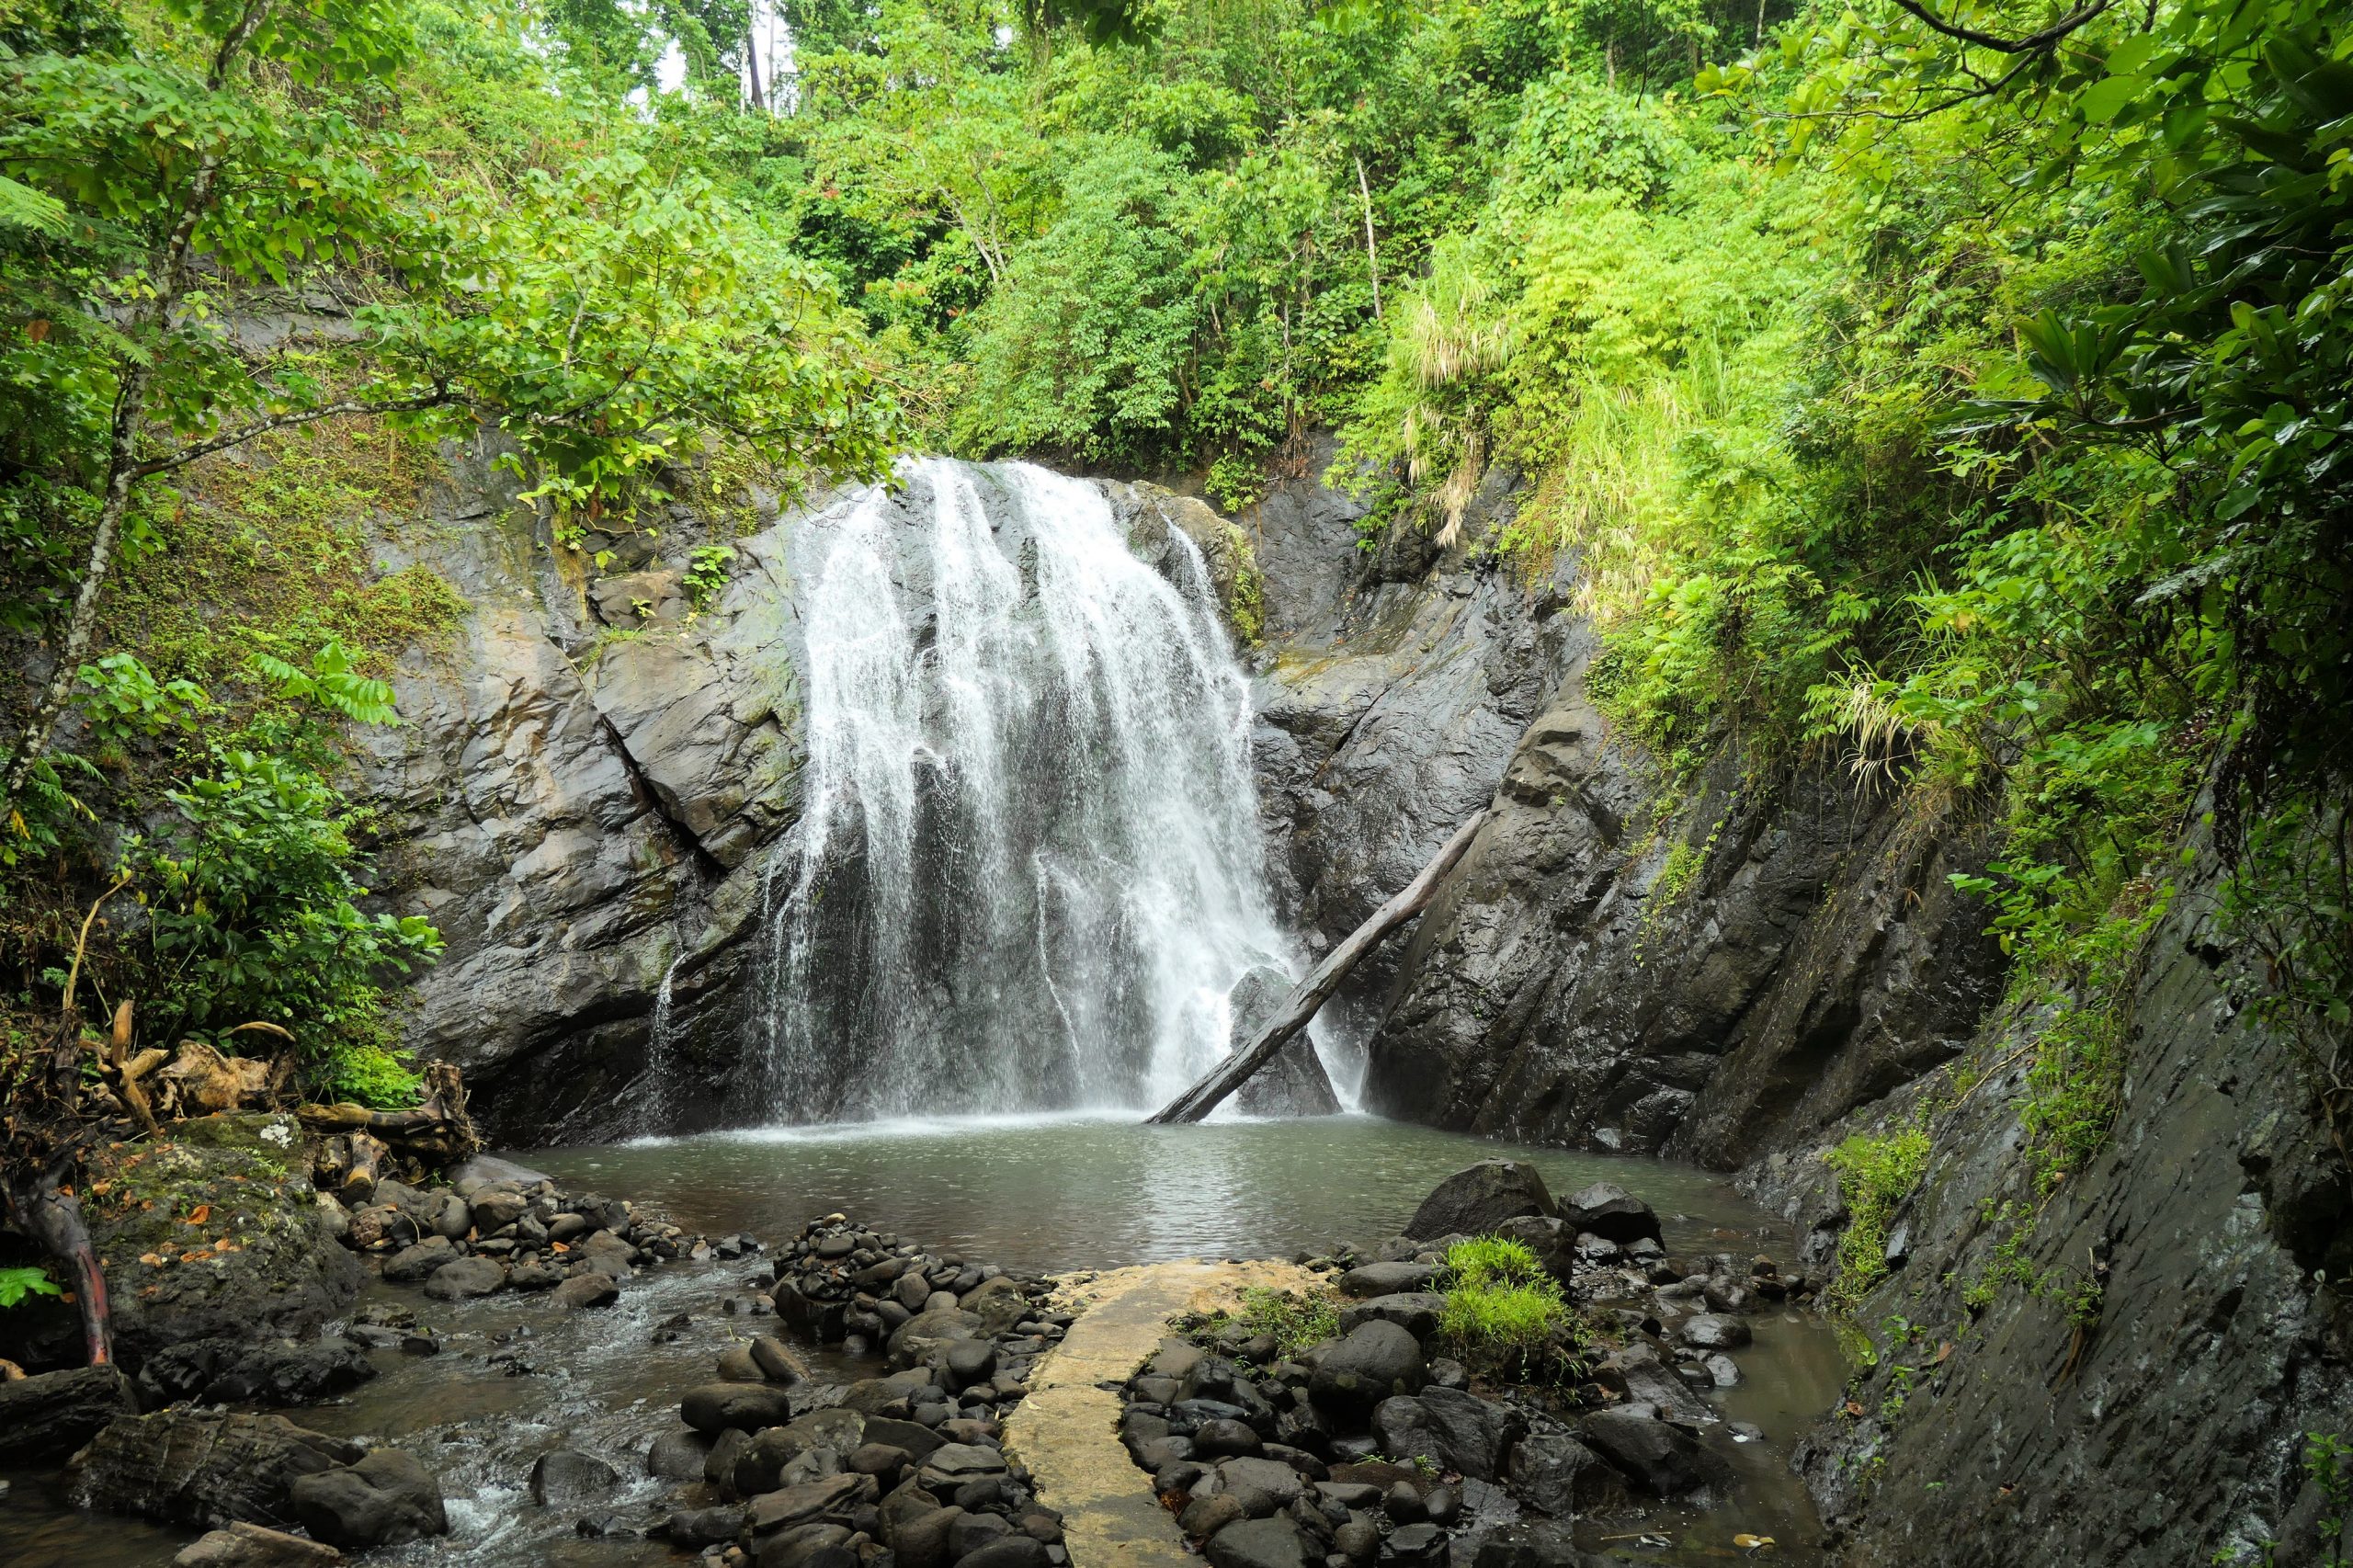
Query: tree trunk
[(1311, 995), (1371, 257), (54, 1217), (132, 372)]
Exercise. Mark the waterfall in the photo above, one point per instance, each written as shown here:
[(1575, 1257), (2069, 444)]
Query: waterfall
[(1029, 867)]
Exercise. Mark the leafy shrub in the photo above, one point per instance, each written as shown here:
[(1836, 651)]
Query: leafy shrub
[(332, 683), (1875, 1175), (255, 909), (16, 1283), (1084, 352), (707, 575), (1576, 134), (120, 699)]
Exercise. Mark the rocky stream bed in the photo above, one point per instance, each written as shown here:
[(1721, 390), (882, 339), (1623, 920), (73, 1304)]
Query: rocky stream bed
[(498, 1369)]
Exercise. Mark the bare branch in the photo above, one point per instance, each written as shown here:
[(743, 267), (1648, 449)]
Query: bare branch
[(441, 397), (2033, 44)]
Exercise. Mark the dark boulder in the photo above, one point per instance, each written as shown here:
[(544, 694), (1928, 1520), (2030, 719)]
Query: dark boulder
[(1274, 1542), (413, 1265), (1475, 1201), (998, 1304), (1554, 1242), (1712, 1331), (184, 1468), (1415, 1545), (1458, 1430), (716, 1407), (915, 1340), (920, 1537), (1658, 1455), (1558, 1475), (678, 1455), (1008, 1551), (1374, 1362), (1387, 1278), (807, 1545), (466, 1278), (237, 1371), (1224, 1439), (968, 1362), (832, 1498), (1204, 1517), (386, 1499), (288, 1275), (777, 1360), (55, 1413), (953, 1464), (1416, 1311), (1635, 1371), (693, 1527), (590, 1289), (566, 1475), (1294, 1082), (917, 1439), (1273, 1480), (1611, 1211)]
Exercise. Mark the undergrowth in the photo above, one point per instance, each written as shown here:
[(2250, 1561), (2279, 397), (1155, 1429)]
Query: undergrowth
[(1504, 1313), (1875, 1175)]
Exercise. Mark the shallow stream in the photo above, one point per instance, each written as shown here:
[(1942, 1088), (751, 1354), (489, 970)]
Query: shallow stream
[(1044, 1194)]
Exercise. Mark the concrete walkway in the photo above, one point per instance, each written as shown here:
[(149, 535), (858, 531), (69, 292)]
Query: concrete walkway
[(1067, 1430)]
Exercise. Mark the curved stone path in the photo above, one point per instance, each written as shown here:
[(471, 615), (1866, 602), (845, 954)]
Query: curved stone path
[(1067, 1429)]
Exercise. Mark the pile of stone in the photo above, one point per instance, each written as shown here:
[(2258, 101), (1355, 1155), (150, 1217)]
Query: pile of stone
[(1373, 1447), (905, 1467), (509, 1230)]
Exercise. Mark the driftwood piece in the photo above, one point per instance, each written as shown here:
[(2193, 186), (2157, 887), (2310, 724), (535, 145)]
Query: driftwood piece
[(1310, 994), (437, 1131), (210, 1082), (124, 1071)]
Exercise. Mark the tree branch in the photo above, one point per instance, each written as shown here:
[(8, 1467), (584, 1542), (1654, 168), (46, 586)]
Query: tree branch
[(439, 398), (2033, 44)]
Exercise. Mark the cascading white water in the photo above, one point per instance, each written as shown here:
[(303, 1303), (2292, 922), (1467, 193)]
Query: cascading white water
[(1028, 869)]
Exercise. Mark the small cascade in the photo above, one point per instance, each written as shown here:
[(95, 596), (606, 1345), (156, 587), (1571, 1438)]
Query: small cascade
[(1028, 869), (655, 1109)]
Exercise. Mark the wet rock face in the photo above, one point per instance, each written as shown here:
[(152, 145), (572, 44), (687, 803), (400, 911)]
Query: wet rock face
[(1395, 686), (2185, 1369), (574, 799), (1777, 955)]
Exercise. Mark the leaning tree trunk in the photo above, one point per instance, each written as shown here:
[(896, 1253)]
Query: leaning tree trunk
[(1311, 995)]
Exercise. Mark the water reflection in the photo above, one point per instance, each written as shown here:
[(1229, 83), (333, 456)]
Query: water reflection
[(1094, 1191)]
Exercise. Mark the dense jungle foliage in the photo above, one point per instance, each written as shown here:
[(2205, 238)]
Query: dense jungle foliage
[(1953, 390)]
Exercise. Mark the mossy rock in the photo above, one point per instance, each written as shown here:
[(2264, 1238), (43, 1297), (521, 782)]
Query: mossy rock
[(214, 1233)]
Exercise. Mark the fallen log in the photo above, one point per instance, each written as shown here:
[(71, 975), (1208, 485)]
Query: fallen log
[(1310, 994), (439, 1130)]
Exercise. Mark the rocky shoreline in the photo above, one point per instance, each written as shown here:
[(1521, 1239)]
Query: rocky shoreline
[(1373, 1445)]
